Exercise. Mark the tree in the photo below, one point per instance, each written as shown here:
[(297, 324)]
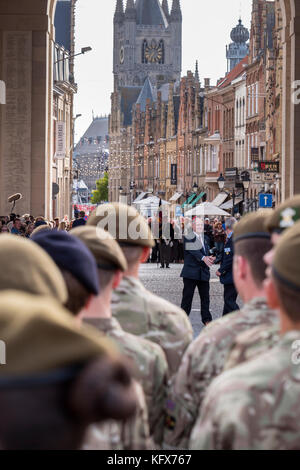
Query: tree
[(100, 194)]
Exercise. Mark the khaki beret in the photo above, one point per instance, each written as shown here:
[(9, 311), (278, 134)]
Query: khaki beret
[(41, 337), (27, 267), (124, 223), (286, 267), (251, 226), (105, 249), (284, 216)]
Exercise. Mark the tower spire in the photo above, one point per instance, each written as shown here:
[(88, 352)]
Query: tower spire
[(197, 72), (176, 14), (119, 13), (165, 7), (130, 12)]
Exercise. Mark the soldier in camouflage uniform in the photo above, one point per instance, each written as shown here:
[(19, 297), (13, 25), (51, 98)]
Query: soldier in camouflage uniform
[(132, 434), (256, 405), (139, 311), (147, 359), (264, 337), (206, 357)]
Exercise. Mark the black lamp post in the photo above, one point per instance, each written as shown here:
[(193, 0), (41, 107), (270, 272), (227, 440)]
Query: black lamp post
[(246, 183), (195, 188)]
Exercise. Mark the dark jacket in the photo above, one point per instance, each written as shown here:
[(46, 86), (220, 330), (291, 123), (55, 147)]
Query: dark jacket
[(226, 263), (78, 223), (194, 268)]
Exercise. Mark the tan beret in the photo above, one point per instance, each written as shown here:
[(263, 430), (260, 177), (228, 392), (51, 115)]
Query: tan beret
[(27, 267), (284, 216), (252, 225), (40, 336), (286, 266), (124, 223), (105, 249)]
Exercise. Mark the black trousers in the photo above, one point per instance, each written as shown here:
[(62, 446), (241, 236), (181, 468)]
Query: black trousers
[(165, 254), (230, 296), (188, 295)]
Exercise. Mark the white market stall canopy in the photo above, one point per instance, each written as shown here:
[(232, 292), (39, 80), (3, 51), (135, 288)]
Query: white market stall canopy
[(206, 209), (152, 201)]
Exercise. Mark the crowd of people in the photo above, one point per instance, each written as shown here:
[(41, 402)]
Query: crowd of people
[(106, 364), (26, 225)]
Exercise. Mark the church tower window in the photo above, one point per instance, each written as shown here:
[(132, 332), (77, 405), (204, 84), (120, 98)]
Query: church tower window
[(144, 48)]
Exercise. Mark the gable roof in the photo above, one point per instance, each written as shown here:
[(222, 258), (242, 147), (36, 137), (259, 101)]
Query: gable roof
[(235, 73), (148, 92), (150, 12), (129, 96)]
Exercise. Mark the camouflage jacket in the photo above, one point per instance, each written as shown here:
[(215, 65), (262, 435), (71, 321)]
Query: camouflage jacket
[(150, 369), (133, 434), (144, 314), (254, 405), (203, 361), (252, 344)]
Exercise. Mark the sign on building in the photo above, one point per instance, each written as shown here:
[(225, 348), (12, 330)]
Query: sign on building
[(60, 140), (268, 167), (2, 92), (266, 201), (174, 174)]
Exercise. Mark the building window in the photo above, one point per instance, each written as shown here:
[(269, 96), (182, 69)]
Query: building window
[(144, 47), (162, 47)]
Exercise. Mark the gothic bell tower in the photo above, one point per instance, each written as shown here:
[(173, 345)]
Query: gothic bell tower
[(147, 42)]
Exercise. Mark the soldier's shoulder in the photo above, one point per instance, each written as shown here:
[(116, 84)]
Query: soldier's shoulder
[(143, 348)]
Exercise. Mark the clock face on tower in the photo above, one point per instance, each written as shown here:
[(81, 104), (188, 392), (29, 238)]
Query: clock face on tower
[(122, 55), (153, 52)]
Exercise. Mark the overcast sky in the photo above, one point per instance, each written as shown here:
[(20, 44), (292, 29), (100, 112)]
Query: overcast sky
[(206, 31)]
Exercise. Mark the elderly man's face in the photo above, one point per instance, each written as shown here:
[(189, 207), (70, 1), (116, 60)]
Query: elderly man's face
[(198, 225)]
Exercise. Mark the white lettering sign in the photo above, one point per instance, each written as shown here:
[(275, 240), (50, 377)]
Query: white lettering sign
[(60, 140)]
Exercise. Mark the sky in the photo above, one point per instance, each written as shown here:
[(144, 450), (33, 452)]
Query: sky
[(206, 31)]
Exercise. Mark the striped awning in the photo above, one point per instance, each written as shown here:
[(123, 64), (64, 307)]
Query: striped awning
[(229, 204), (176, 197), (197, 199), (219, 199), (189, 200)]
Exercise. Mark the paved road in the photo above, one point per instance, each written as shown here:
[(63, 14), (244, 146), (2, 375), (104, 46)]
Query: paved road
[(168, 284)]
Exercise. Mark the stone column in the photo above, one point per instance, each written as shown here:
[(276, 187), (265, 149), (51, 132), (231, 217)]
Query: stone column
[(25, 128)]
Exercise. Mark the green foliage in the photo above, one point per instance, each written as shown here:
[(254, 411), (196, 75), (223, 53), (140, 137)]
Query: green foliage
[(100, 194)]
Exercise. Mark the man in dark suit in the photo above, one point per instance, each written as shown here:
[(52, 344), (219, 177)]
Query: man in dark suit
[(195, 272), (225, 271)]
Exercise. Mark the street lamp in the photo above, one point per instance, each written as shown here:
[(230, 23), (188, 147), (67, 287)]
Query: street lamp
[(83, 51), (221, 182), (195, 188), (245, 176)]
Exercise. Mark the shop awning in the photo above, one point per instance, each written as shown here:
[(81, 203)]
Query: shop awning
[(220, 199), (197, 199), (229, 204), (189, 200), (176, 197), (140, 197)]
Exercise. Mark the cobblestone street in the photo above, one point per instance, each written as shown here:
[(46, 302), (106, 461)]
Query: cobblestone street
[(168, 284)]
